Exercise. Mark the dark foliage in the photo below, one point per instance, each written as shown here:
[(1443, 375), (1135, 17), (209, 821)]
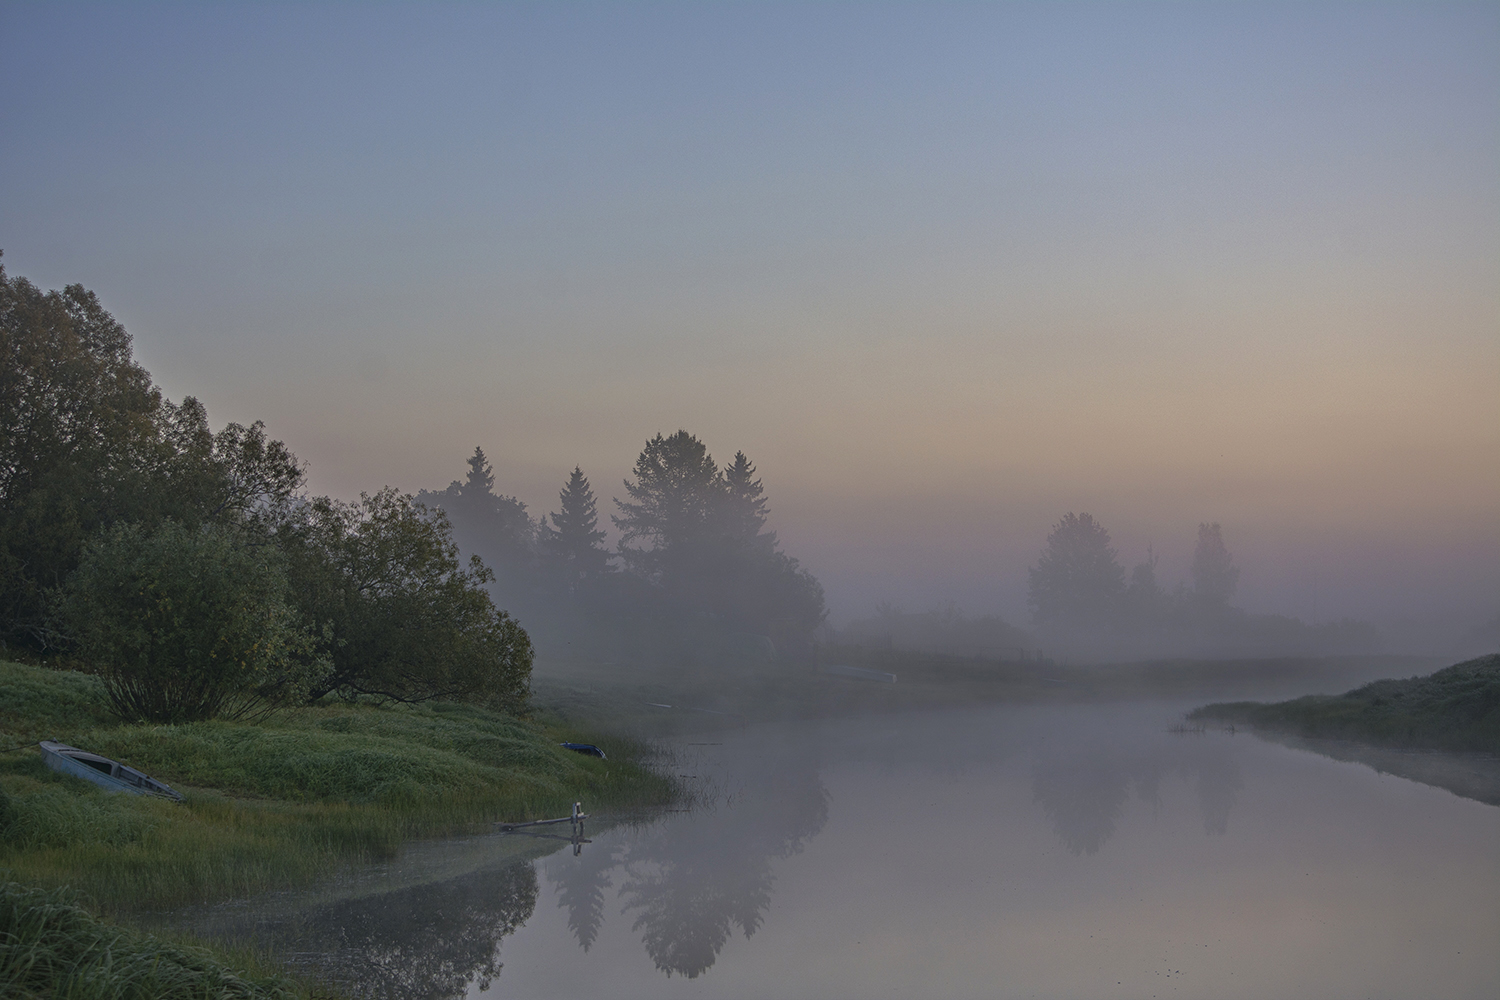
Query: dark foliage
[(188, 623), (88, 442), (399, 616), (573, 543)]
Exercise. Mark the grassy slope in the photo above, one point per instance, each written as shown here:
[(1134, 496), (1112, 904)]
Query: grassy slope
[(51, 947), (273, 804), (1457, 708)]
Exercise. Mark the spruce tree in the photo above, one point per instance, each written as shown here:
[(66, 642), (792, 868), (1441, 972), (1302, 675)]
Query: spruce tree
[(743, 514), (575, 536), (1215, 575), (677, 492)]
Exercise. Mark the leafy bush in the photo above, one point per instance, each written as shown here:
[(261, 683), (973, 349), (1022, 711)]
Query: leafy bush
[(403, 618), (188, 624)]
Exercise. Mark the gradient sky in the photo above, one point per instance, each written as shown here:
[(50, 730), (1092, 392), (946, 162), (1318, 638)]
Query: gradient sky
[(945, 272)]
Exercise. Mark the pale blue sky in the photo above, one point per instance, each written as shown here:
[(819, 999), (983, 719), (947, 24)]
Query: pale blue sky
[(944, 271)]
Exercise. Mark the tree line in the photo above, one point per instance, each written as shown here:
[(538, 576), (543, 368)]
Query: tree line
[(696, 576), (1078, 589), (191, 568)]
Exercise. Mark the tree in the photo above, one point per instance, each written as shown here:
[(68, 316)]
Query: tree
[(1078, 580), (75, 411), (574, 539), (1144, 597), (188, 624), (742, 513), (400, 617), (1215, 576), (673, 501), (485, 523), (87, 442)]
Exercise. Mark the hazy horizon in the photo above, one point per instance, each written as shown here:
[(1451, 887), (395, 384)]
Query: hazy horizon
[(945, 273)]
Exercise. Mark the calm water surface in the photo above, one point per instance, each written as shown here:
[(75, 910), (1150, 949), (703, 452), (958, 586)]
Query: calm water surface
[(1075, 851)]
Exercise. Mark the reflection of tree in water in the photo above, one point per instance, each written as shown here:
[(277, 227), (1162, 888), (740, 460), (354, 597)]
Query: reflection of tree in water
[(1219, 781), (1082, 794), (580, 881), (692, 881), (1083, 789), (427, 942)]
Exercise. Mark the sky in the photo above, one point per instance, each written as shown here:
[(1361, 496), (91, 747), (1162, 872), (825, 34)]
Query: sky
[(944, 272)]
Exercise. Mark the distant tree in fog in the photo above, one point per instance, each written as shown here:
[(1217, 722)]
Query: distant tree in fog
[(574, 538), (673, 500), (1078, 580), (742, 513), (1214, 574), (706, 546), (491, 525), (1144, 597)]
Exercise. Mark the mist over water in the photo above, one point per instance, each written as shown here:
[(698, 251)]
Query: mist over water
[(1044, 850)]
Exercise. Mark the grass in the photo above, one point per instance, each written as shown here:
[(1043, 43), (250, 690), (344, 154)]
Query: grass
[(53, 948), (1457, 708), (276, 804)]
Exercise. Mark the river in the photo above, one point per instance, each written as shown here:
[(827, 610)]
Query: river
[(998, 851)]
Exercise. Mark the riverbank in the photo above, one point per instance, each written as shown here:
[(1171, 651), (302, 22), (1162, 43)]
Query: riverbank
[(665, 701), (278, 804), (1457, 708)]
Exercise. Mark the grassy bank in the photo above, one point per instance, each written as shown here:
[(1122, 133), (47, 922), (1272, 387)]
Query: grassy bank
[(1457, 708), (276, 804), (50, 947)]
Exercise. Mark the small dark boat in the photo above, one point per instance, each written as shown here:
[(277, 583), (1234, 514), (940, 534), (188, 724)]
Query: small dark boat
[(583, 748), (102, 771)]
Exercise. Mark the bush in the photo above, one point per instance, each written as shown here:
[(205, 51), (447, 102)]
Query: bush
[(187, 624), (402, 618)]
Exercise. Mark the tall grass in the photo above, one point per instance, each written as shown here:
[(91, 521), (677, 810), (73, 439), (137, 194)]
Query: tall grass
[(50, 947)]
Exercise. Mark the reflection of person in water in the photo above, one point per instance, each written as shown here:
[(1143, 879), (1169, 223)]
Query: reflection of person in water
[(428, 942), (1083, 789), (693, 880)]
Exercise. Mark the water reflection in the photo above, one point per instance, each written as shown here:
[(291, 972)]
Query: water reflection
[(1083, 788), (692, 882), (428, 942)]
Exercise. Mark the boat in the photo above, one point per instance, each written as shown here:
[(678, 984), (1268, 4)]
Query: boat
[(106, 773), (583, 748)]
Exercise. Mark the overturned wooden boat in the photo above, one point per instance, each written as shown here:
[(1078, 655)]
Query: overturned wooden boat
[(106, 773), (588, 749)]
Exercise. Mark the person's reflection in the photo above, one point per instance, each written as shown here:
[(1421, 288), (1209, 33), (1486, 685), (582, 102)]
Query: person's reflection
[(1083, 789), (691, 882), (427, 942)]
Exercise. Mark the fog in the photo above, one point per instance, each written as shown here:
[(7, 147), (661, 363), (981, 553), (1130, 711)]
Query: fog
[(944, 274)]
